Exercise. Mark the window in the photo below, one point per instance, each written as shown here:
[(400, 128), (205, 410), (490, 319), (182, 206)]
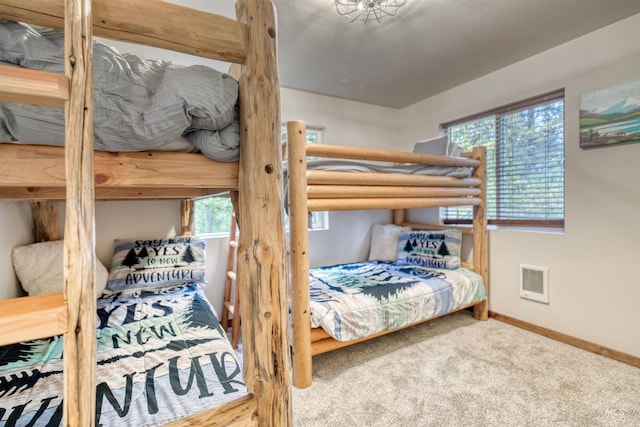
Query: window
[(525, 161), (213, 214)]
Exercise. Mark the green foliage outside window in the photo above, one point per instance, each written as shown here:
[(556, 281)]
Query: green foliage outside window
[(213, 215)]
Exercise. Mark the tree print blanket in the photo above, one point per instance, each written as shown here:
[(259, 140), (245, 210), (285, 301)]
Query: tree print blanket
[(161, 356), (351, 301)]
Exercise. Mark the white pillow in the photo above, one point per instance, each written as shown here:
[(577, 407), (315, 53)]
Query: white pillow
[(39, 268), (384, 242)]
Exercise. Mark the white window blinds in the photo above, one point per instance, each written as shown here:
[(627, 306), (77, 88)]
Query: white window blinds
[(525, 161)]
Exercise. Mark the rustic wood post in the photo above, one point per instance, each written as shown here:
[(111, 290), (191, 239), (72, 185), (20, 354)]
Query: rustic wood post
[(187, 216), (45, 218), (79, 235), (299, 241), (480, 235), (262, 281)]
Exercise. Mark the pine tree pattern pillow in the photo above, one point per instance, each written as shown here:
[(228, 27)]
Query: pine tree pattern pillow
[(433, 249), (144, 264)]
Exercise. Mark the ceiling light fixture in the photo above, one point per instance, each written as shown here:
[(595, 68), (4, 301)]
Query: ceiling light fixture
[(364, 10)]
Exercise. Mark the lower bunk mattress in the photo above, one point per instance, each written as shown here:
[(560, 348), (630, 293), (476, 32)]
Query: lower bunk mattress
[(162, 355), (352, 301)]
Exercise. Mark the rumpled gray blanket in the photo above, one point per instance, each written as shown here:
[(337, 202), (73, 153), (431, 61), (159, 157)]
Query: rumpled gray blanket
[(139, 104)]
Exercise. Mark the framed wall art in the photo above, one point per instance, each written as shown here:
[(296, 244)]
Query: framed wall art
[(610, 116)]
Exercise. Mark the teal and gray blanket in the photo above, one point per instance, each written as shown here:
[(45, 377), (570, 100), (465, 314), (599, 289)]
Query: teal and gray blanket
[(351, 301), (161, 356)]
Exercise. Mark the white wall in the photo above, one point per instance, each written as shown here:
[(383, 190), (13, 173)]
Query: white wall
[(595, 263)]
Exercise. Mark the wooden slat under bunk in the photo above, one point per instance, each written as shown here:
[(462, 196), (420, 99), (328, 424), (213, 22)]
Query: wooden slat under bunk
[(315, 190), (36, 173)]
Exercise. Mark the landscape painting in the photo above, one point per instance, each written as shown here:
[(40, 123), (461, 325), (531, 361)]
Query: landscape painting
[(610, 116)]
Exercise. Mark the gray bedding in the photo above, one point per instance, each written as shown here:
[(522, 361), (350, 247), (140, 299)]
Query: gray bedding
[(338, 165), (139, 104)]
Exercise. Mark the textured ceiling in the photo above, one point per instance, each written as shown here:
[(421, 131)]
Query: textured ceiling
[(428, 47)]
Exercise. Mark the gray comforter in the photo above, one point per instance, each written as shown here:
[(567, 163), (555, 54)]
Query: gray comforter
[(139, 104)]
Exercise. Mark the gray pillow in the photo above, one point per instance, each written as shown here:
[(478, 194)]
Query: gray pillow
[(437, 146)]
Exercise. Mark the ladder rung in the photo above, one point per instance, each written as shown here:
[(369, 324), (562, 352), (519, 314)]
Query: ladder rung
[(229, 307), (231, 275), (26, 86), (233, 243), (30, 318)]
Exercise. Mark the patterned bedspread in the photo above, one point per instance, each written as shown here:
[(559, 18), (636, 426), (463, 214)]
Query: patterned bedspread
[(161, 356), (351, 301)]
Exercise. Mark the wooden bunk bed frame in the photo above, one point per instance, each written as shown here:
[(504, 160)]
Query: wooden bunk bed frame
[(79, 175), (314, 190)]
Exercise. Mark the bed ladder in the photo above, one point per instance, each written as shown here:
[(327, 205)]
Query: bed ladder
[(70, 313), (231, 308)]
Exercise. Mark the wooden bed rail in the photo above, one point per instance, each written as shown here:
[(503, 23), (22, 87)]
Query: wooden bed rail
[(341, 204), (33, 87), (355, 191), (30, 318), (188, 31), (320, 177), (37, 172), (355, 153)]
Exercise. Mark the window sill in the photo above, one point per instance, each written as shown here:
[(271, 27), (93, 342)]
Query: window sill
[(544, 230)]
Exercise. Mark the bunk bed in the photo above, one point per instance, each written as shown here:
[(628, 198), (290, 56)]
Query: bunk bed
[(78, 175), (354, 189)]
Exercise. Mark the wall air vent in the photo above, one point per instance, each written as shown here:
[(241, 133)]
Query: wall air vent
[(534, 283)]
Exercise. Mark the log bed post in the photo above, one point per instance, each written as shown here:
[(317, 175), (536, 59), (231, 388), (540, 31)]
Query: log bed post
[(45, 218), (79, 235), (261, 248), (399, 216), (480, 236), (187, 217), (299, 242)]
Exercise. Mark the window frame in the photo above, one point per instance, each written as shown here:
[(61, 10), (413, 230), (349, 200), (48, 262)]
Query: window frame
[(555, 95)]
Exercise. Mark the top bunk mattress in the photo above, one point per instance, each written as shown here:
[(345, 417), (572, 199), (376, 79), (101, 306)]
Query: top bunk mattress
[(339, 165), (139, 104)]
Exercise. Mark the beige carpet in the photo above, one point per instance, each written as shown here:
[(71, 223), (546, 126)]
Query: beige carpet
[(456, 371)]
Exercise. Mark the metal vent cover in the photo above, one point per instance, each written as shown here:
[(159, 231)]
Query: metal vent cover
[(534, 283)]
